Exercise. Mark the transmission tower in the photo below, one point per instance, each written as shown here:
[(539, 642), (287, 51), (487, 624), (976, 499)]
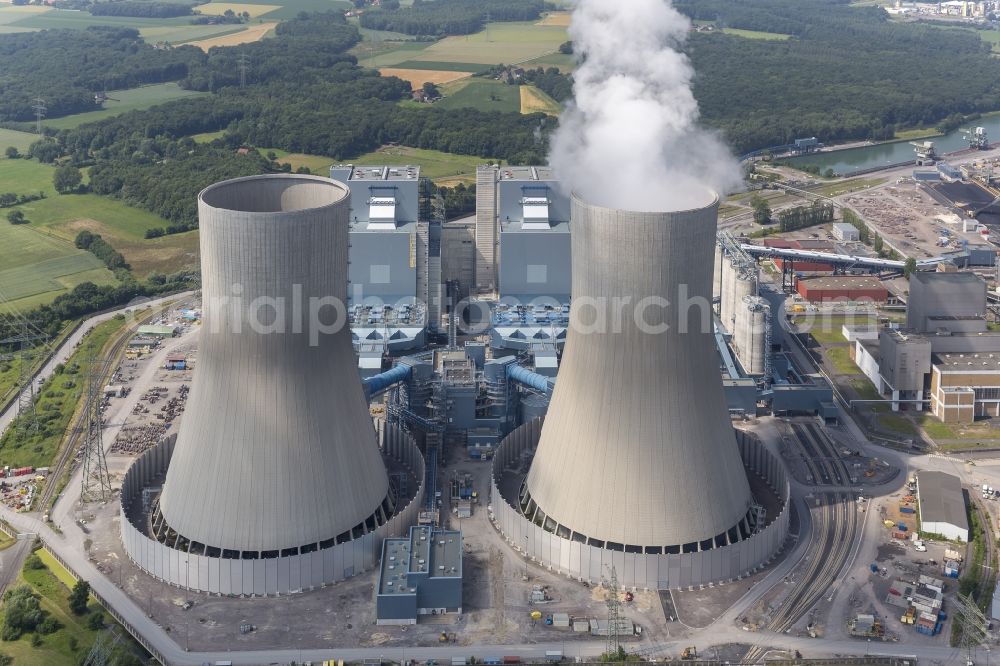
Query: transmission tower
[(39, 107), (27, 417), (973, 625), (614, 606), (96, 483), (243, 61), (100, 653)]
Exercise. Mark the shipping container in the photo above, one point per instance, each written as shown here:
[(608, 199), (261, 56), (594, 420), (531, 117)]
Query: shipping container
[(511, 660), (907, 509)]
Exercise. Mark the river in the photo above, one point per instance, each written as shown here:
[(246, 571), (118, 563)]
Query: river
[(852, 160)]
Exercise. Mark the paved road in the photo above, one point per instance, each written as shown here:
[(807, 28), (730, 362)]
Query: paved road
[(63, 352)]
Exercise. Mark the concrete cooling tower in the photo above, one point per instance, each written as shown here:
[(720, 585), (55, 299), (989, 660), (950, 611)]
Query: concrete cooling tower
[(637, 464), (276, 458)]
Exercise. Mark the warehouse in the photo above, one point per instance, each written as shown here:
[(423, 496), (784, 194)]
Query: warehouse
[(845, 232), (156, 331), (842, 288), (941, 501)]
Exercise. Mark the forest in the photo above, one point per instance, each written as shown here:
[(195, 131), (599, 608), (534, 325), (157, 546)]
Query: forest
[(846, 73), (450, 17), (66, 67)]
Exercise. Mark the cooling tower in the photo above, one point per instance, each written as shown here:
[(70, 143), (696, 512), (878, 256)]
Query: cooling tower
[(637, 450), (276, 451)]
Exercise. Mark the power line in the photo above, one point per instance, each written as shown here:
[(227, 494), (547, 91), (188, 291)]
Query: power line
[(96, 482), (243, 61), (26, 422), (614, 608), (39, 107)]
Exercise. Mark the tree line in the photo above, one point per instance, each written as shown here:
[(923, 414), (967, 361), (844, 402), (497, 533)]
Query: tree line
[(66, 67), (449, 17)]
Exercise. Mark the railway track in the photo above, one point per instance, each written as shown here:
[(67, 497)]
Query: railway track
[(67, 453), (835, 530)]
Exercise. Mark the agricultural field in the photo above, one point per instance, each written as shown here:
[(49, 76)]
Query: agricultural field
[(252, 34), (182, 34), (534, 100), (509, 43), (121, 101), (208, 137), (560, 19), (757, 34), (483, 94), (418, 77), (20, 140), (562, 61), (220, 8), (10, 15), (23, 176), (121, 225)]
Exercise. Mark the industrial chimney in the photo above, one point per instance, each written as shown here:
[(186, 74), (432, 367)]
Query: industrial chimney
[(276, 452)]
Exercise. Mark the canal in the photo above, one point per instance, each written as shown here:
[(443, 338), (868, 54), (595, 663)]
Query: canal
[(852, 160)]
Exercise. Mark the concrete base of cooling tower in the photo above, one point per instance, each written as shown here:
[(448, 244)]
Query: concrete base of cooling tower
[(660, 571), (261, 577)]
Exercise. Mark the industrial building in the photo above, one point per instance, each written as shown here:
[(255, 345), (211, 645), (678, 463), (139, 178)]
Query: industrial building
[(156, 331), (843, 231), (656, 486), (394, 292), (945, 360), (842, 288), (941, 501), (276, 481), (419, 575)]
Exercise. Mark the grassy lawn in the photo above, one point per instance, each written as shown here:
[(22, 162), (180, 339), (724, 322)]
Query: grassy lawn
[(864, 388), (917, 133), (896, 423), (208, 137), (840, 359), (443, 168), (126, 100), (828, 337), (20, 140), (483, 94), (534, 100), (757, 34), (317, 164), (25, 177), (839, 187), (56, 648), (58, 399)]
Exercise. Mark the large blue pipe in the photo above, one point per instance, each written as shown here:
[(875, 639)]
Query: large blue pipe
[(522, 375), (378, 383)]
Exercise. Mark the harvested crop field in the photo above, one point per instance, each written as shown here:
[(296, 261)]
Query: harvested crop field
[(534, 100), (252, 34), (220, 8), (418, 77), (556, 18)]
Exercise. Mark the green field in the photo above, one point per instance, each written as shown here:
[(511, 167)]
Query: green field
[(757, 34), (562, 61), (840, 359), (443, 66), (180, 34), (121, 225), (838, 187), (125, 100), (67, 18), (25, 177), (317, 164), (57, 401), (50, 584), (208, 137), (20, 140), (484, 95), (508, 43)]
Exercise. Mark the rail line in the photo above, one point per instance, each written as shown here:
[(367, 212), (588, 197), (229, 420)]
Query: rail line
[(68, 451)]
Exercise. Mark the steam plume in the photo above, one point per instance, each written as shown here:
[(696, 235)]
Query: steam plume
[(630, 139)]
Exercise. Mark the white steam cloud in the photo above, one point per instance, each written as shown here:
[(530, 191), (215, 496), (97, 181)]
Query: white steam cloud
[(630, 139)]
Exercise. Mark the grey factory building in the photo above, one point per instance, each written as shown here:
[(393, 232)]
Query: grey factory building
[(945, 360), (275, 481), (395, 263), (419, 575), (659, 484)]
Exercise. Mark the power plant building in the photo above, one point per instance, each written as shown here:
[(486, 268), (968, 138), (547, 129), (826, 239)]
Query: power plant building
[(276, 480), (419, 575), (626, 470), (395, 262)]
